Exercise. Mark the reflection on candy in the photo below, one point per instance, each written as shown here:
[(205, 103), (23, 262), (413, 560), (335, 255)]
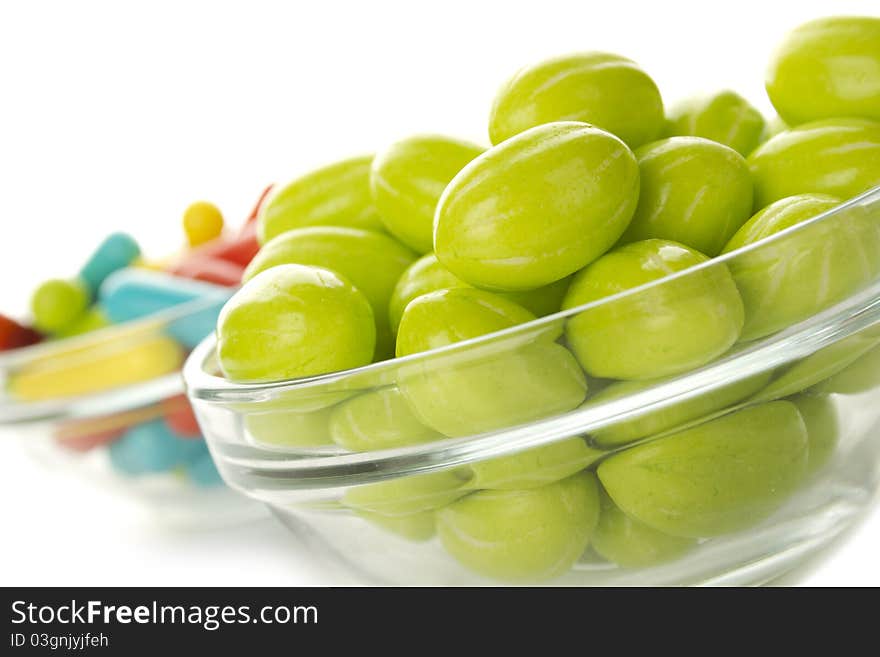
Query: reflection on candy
[(291, 428), (97, 367), (202, 471), (415, 527), (180, 418)]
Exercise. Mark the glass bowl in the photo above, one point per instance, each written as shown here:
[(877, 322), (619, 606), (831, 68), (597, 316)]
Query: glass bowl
[(499, 459), (110, 403)]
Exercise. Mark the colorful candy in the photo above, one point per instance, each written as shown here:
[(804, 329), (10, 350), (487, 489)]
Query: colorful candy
[(14, 335), (202, 222), (116, 252), (58, 303)]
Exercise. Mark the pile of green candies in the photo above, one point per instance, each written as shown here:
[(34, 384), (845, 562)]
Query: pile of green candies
[(590, 188)]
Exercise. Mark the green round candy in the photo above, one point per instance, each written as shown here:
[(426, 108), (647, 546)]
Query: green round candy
[(58, 303), (522, 535), (827, 68), (724, 117), (861, 376), (835, 258), (722, 476), (92, 319), (819, 366), (840, 157), (823, 430), (371, 261), (407, 179), (662, 330), (486, 388), (293, 321), (535, 467), (630, 543), (608, 91), (693, 191), (290, 428), (675, 415), (406, 496), (418, 527), (428, 275), (537, 207), (379, 419), (334, 195)]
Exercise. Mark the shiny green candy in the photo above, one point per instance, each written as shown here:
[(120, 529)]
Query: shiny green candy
[(428, 275), (522, 535), (334, 195), (484, 389), (675, 415), (417, 527), (371, 261), (534, 467), (724, 117), (827, 68), (693, 191), (57, 304), (666, 329), (608, 91), (379, 419), (861, 376), (537, 207), (835, 258), (290, 428), (720, 477), (630, 543), (838, 157), (406, 496), (823, 428), (293, 321), (407, 179)]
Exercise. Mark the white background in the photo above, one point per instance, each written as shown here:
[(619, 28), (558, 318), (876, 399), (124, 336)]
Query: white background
[(115, 117)]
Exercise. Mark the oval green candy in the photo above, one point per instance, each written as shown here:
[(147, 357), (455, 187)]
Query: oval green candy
[(537, 207), (606, 90), (724, 117)]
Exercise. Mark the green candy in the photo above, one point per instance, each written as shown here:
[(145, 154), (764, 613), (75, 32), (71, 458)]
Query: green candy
[(407, 179), (290, 428), (534, 467), (428, 275), (608, 91), (371, 261), (537, 207), (406, 496), (92, 319), (835, 257), (827, 68), (379, 419), (522, 535), (724, 117), (489, 388), (334, 195), (675, 415), (720, 477), (823, 429), (693, 191), (819, 366), (663, 330), (861, 376), (57, 304), (293, 321), (839, 157), (630, 543), (418, 527)]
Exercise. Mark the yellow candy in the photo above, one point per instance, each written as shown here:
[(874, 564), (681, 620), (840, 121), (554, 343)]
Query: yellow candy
[(96, 367), (202, 222)]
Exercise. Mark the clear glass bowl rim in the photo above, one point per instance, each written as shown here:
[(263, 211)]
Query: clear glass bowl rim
[(303, 470)]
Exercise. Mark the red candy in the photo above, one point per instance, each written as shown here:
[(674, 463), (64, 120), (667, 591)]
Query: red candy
[(256, 211), (180, 418), (87, 441), (241, 249), (13, 335), (208, 269)]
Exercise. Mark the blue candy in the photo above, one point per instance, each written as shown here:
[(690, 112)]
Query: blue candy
[(203, 473), (116, 252), (135, 293), (152, 447)]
